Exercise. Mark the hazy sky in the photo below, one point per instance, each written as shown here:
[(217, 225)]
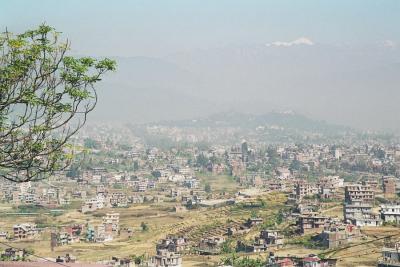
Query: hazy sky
[(333, 60), (158, 28)]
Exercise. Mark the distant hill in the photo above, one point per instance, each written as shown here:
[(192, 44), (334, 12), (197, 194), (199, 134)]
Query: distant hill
[(284, 120), (355, 86), (228, 128)]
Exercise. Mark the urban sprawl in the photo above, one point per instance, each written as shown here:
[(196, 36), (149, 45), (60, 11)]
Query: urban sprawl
[(173, 195)]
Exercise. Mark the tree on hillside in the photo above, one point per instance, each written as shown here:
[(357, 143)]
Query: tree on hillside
[(144, 226), (91, 144), (273, 156), (207, 188), (295, 165), (45, 97), (201, 160)]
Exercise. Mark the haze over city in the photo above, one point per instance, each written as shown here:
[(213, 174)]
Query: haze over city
[(337, 61)]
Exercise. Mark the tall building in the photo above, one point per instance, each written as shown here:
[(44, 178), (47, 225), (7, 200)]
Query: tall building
[(245, 151), (389, 186)]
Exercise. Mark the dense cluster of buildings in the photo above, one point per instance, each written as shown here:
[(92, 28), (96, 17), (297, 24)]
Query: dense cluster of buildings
[(362, 178)]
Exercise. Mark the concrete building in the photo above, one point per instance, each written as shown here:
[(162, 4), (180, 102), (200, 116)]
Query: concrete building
[(331, 182), (351, 210), (165, 258), (358, 192), (3, 236), (366, 220), (210, 245), (141, 186), (337, 234), (173, 244), (112, 219), (266, 239), (390, 213), (303, 189), (360, 213), (25, 231), (311, 221), (390, 256)]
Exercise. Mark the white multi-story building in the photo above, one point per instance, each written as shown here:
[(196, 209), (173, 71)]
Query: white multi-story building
[(390, 213)]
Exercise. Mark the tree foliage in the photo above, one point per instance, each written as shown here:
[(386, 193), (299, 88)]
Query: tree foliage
[(207, 188), (144, 226), (202, 160), (273, 156), (91, 144), (45, 97), (236, 261)]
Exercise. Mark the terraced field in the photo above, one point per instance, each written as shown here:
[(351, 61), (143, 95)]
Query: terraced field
[(194, 224)]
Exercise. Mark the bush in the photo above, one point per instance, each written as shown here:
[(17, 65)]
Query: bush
[(306, 241), (144, 226)]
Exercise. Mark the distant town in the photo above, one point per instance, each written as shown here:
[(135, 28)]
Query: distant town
[(277, 190)]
